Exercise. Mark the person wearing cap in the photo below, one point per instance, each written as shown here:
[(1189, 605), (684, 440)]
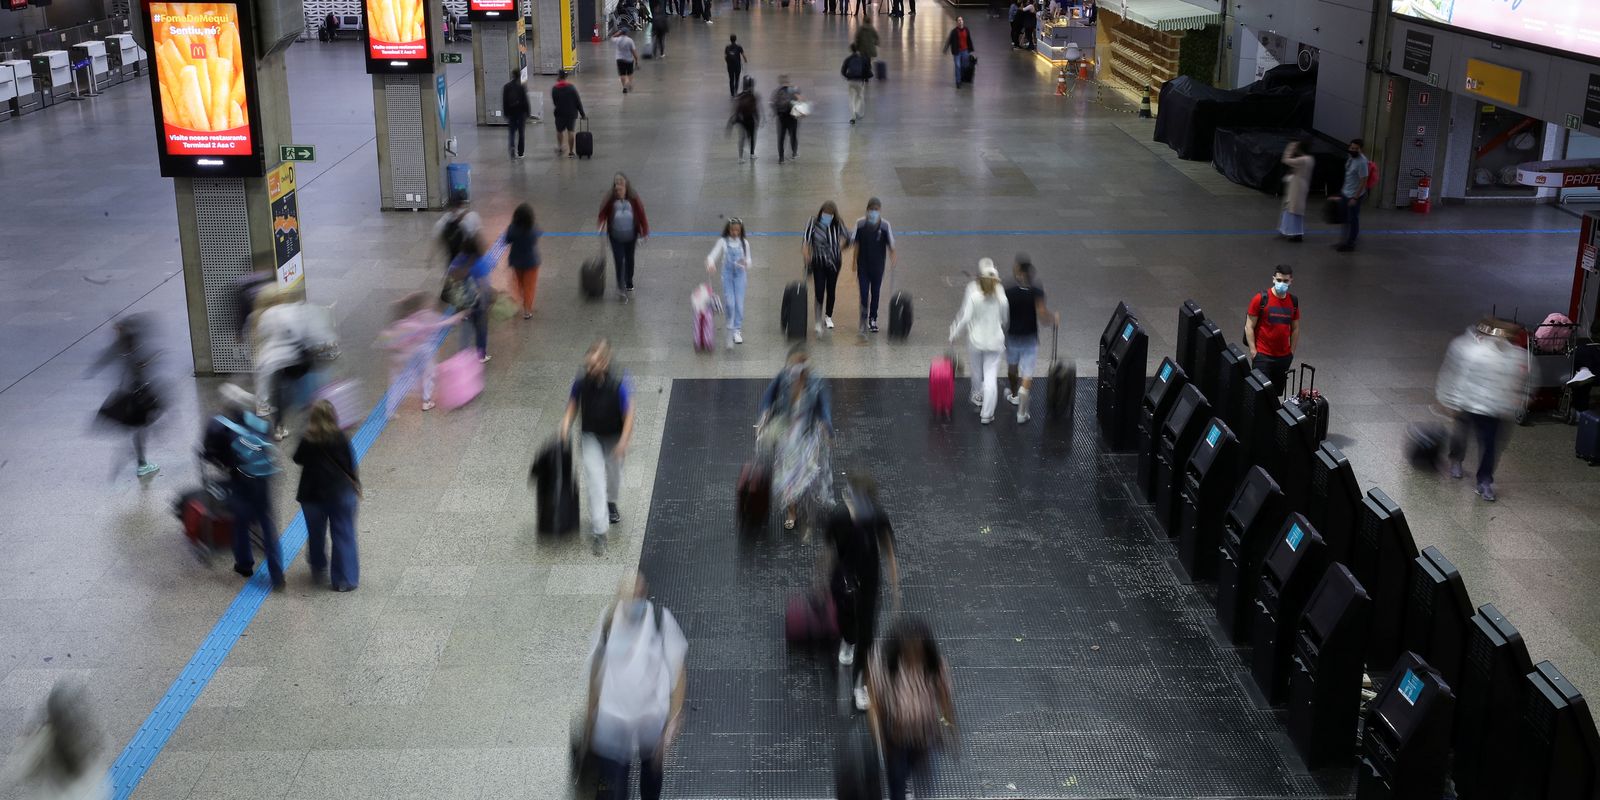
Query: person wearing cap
[(983, 315), (874, 241)]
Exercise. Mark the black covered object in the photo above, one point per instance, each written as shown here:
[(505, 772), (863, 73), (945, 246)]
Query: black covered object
[(1253, 157), (1208, 482), (555, 489), (1177, 437), (1381, 555), (1325, 676), (1158, 400), (1438, 613), (1560, 749), (592, 277), (1191, 113), (855, 772), (1255, 514)]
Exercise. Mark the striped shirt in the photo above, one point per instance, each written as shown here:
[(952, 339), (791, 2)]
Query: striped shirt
[(827, 244)]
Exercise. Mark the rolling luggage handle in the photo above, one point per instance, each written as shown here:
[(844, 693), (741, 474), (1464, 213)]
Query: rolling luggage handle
[(1300, 388)]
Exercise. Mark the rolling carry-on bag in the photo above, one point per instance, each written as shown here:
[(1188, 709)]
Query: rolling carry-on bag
[(899, 311), (809, 618), (1589, 436), (942, 386), (1311, 401), (880, 70), (555, 491), (460, 379), (584, 140), (754, 499), (792, 317), (969, 69), (592, 277), (856, 775), (1061, 387), (1425, 444), (206, 522)]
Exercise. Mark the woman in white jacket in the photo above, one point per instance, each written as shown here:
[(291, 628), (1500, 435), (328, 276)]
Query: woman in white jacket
[(732, 255), (982, 318)]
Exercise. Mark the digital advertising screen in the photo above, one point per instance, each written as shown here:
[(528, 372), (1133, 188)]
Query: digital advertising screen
[(397, 36), (203, 89), (492, 9), (1570, 26)]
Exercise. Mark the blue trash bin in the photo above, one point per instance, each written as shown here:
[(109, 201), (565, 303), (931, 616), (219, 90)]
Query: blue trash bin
[(460, 179)]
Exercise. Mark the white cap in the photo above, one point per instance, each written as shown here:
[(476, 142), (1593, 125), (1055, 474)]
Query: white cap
[(986, 269)]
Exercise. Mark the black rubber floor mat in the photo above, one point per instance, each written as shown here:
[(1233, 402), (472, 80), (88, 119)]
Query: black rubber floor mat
[(1083, 667)]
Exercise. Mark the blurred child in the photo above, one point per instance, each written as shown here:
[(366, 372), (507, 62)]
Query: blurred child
[(410, 341)]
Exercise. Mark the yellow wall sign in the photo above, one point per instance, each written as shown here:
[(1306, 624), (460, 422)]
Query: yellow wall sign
[(1494, 82), (285, 225)]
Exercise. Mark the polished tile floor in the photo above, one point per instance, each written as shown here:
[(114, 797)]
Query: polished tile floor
[(454, 670)]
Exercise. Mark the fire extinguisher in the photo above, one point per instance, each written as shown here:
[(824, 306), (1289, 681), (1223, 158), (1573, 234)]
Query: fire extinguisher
[(1420, 204)]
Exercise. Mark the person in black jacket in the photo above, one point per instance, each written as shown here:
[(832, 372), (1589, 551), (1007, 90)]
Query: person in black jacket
[(329, 488), (567, 107), (857, 70), (862, 540), (514, 103), (658, 32), (959, 44), (136, 403), (602, 400)]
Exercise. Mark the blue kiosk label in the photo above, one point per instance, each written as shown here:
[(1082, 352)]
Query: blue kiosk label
[(1127, 331), (1166, 370), (1294, 536), (1411, 687), (1213, 435)]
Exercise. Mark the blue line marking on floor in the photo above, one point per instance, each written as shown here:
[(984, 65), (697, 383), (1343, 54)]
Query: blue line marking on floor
[(146, 744), (1125, 232)]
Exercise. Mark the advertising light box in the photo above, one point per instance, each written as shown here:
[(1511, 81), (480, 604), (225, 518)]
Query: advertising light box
[(203, 88), (1569, 26), (492, 9), (397, 36)]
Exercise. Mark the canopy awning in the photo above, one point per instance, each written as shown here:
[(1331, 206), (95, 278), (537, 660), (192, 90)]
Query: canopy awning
[(1164, 15)]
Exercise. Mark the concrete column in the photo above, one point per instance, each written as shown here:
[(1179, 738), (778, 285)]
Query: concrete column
[(412, 115), (495, 53)]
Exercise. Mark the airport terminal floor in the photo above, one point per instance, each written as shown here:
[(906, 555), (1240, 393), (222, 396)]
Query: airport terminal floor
[(1084, 664)]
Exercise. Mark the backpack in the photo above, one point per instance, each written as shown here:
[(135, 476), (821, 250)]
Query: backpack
[(1373, 174), (454, 236), (257, 457), (783, 101)]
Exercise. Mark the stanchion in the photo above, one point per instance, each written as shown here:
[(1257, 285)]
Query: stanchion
[(1144, 103)]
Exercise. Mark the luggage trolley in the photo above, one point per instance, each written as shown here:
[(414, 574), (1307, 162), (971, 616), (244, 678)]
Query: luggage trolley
[(207, 522), (1552, 361)]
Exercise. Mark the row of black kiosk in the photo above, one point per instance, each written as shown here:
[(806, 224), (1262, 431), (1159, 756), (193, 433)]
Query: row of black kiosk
[(1325, 586)]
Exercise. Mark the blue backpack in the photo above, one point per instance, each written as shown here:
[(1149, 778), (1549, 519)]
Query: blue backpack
[(257, 457)]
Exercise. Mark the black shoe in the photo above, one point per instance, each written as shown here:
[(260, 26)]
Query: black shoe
[(613, 514), (873, 326), (245, 571), (1345, 248)]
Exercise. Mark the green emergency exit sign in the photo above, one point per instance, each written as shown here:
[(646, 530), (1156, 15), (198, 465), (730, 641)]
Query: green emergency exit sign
[(1573, 123), (297, 152), (449, 58)]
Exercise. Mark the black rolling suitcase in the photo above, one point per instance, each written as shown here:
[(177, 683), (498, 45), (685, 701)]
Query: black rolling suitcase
[(592, 277), (584, 140), (1061, 387), (969, 69), (792, 317), (555, 489), (880, 70), (899, 311), (1425, 445), (1589, 436), (1311, 401), (855, 772)]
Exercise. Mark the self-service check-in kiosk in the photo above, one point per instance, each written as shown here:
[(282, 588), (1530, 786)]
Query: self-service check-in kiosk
[(1438, 613), (1178, 434), (1405, 744), (96, 70), (52, 73), (1381, 557), (1293, 566), (1120, 389), (1559, 747), (1208, 483), (1189, 318), (1256, 513), (8, 91), (1335, 500), (1489, 702), (1158, 401), (1325, 671), (27, 98), (123, 54)]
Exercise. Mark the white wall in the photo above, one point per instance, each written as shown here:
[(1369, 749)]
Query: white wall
[(1341, 30)]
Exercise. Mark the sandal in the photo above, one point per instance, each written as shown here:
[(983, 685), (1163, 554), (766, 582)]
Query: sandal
[(788, 524)]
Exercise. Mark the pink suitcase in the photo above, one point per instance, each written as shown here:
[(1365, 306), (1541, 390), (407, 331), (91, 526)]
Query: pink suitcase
[(942, 387), (705, 332), (459, 379)]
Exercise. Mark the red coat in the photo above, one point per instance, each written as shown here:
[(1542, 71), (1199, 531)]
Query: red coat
[(641, 224)]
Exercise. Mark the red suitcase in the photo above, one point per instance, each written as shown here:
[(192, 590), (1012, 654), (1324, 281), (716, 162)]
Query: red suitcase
[(754, 501), (942, 386), (810, 619)]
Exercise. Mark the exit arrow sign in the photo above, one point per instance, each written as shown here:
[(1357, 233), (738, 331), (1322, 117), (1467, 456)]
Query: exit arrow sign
[(450, 58), (297, 152)]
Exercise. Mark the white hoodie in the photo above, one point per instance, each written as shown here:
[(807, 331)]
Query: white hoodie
[(1484, 375), (983, 317)]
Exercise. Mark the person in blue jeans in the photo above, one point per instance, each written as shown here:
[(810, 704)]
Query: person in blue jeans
[(469, 275), (731, 255), (328, 491), (230, 434), (959, 44), (1356, 169)]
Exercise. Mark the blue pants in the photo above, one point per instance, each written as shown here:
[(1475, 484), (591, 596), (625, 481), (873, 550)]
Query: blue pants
[(1487, 430), (961, 65), (733, 282), (614, 777), (478, 319), (518, 136), (251, 503), (339, 517), (871, 281), (1352, 222)]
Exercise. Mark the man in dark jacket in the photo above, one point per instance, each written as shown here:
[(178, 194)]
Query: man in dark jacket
[(567, 107), (959, 43), (857, 70), (602, 402), (514, 104)]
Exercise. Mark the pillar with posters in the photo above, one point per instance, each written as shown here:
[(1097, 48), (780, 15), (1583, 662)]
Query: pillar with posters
[(409, 101), (496, 53), (220, 103)]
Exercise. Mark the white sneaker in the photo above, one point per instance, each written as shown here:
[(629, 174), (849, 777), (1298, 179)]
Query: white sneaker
[(1011, 398), (861, 698), (738, 337), (977, 400), (1023, 416), (427, 405), (847, 653), (819, 327), (828, 320), (484, 359)]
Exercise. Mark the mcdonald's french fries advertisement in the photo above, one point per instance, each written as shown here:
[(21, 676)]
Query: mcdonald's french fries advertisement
[(204, 80), (397, 30)]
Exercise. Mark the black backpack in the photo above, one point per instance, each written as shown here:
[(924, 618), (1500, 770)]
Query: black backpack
[(783, 101), (454, 236), (1261, 303)]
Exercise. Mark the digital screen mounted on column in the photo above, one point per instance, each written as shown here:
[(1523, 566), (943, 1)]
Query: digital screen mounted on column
[(397, 36), (492, 9), (1569, 26), (203, 88)]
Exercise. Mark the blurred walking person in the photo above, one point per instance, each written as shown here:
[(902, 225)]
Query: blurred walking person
[(822, 251), (567, 107), (1296, 187), (605, 405), (867, 40), (523, 237), (982, 319), (735, 59), (746, 117), (731, 255), (1025, 307), (659, 26), (795, 430), (515, 105), (637, 683), (59, 759), (1484, 381), (136, 402), (330, 485), (910, 703), (875, 255), (959, 44), (235, 442), (623, 222), (467, 290), (627, 57), (281, 358), (857, 70), (862, 541), (783, 109), (410, 342)]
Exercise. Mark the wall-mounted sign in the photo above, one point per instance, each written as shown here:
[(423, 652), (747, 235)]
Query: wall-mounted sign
[(1575, 174), (285, 225), (492, 9), (203, 88), (1570, 26), (1494, 82), (1591, 103), (397, 36), (1418, 56)]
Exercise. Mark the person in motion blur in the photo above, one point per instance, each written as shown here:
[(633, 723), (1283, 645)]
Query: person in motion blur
[(605, 405), (1025, 301), (627, 57), (659, 26), (795, 430), (637, 683), (1296, 187), (982, 319), (862, 540), (567, 107), (735, 59), (746, 117), (623, 222), (410, 342), (1484, 382), (235, 442), (867, 40), (731, 255), (516, 107), (857, 70), (522, 235), (136, 402), (60, 758), (466, 288), (959, 44), (784, 101), (909, 701), (282, 358), (330, 485), (822, 250)]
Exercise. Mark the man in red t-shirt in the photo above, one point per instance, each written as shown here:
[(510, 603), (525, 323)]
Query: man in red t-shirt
[(1272, 327)]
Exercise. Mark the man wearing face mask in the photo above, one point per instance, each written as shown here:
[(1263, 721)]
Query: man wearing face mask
[(1355, 190), (636, 690), (874, 252), (1272, 328), (602, 400)]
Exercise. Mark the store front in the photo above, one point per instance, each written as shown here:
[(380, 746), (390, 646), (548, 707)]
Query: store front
[(1144, 43), (1581, 146)]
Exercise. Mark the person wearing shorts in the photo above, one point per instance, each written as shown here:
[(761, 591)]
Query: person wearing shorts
[(627, 54), (1026, 303), (568, 107)]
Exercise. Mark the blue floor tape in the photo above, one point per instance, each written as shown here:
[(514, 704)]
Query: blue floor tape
[(1130, 232), (141, 751)]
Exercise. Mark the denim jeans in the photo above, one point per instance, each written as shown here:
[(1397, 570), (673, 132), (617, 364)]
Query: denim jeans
[(901, 762), (478, 320), (339, 518), (250, 500), (871, 281), (733, 282), (1487, 429), (622, 254), (517, 135), (1352, 222), (961, 65)]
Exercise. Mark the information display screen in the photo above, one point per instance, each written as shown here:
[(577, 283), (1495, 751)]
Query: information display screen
[(204, 91), (1571, 26), (397, 36), (491, 9)]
